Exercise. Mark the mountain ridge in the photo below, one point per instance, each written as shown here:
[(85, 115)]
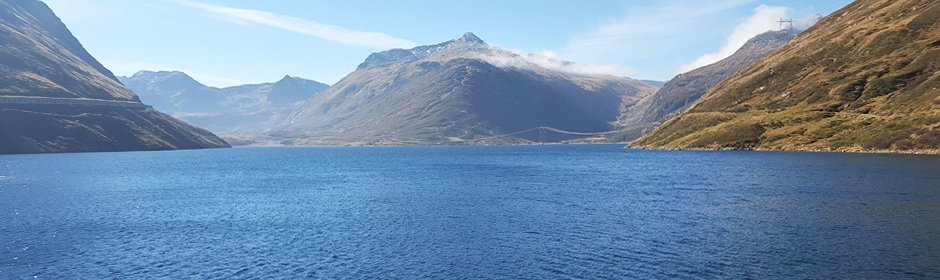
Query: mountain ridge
[(58, 98), (222, 110), (863, 79), (683, 90), (451, 93), (29, 26)]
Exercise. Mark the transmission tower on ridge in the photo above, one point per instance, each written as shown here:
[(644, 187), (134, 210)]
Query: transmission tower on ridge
[(788, 22)]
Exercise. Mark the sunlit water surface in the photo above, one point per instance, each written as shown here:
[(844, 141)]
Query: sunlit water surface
[(544, 212)]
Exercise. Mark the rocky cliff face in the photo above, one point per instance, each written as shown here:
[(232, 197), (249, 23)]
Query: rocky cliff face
[(55, 97), (457, 92), (228, 110), (683, 90), (864, 78)]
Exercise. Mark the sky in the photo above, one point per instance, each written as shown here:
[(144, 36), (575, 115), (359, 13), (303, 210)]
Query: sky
[(233, 42)]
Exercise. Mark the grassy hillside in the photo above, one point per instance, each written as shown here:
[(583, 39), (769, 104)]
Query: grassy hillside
[(683, 90), (864, 78)]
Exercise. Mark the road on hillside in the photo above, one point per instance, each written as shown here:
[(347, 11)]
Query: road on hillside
[(71, 101)]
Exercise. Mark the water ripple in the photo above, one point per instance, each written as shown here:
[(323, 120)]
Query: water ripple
[(559, 212)]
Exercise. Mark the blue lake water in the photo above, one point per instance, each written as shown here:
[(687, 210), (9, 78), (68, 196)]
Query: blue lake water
[(544, 212)]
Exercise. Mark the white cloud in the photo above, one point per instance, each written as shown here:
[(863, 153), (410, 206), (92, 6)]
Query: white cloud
[(552, 61), (764, 18), (302, 26)]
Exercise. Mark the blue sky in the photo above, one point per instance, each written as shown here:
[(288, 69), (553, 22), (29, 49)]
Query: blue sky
[(223, 43)]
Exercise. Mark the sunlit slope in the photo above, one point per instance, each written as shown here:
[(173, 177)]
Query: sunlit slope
[(864, 78), (683, 90), (55, 97)]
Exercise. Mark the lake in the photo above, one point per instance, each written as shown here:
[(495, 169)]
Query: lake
[(542, 212)]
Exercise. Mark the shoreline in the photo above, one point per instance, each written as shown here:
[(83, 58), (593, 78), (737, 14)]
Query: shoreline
[(421, 145), (625, 144), (882, 151)]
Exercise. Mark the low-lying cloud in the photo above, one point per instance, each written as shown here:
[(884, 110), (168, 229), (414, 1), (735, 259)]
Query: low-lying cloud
[(551, 61)]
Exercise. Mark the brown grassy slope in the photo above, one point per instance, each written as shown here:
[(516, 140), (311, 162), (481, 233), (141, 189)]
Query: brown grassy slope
[(864, 78), (683, 90), (39, 57)]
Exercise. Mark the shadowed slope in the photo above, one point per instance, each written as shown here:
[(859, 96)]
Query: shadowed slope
[(55, 97), (457, 92)]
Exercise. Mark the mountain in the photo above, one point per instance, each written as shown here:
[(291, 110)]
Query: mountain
[(290, 90), (174, 92), (680, 92), (458, 92), (55, 97), (864, 78), (221, 110)]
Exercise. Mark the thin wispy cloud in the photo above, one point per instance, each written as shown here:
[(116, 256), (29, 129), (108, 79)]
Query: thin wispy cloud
[(764, 18), (303, 26)]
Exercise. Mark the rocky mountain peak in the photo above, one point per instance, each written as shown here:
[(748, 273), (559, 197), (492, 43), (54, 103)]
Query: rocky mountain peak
[(169, 80), (468, 41), (285, 80), (288, 79), (153, 74), (471, 38)]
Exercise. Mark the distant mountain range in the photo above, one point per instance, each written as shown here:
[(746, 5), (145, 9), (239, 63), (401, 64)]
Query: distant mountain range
[(55, 97), (683, 90), (462, 91), (221, 110), (864, 78)]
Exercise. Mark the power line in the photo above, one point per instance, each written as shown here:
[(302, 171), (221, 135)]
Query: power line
[(543, 129)]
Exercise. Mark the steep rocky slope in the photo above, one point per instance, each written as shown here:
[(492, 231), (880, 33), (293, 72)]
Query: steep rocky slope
[(680, 92), (864, 78), (55, 97), (458, 92)]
